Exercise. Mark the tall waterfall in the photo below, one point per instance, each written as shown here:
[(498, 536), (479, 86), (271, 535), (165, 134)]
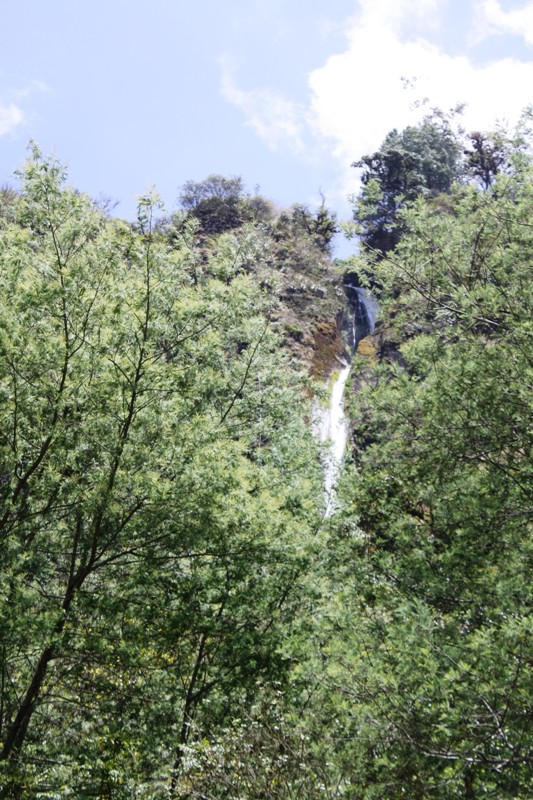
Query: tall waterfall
[(331, 425), (332, 429)]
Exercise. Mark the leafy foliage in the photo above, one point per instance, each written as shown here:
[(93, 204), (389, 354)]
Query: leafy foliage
[(151, 540), (176, 618), (221, 204), (422, 160), (319, 227), (433, 662), (486, 156)]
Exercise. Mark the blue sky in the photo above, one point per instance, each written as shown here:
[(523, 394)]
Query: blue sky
[(285, 93)]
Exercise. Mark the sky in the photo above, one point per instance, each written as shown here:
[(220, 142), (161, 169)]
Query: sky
[(285, 93)]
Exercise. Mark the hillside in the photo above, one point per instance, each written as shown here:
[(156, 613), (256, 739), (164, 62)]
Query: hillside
[(181, 613)]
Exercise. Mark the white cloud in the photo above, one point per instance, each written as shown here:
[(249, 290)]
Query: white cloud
[(393, 14), (380, 81), (27, 91), (494, 19), (11, 113), (10, 116), (359, 95), (275, 119)]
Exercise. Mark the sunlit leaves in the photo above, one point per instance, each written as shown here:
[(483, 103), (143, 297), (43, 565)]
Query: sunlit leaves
[(151, 534), (436, 603)]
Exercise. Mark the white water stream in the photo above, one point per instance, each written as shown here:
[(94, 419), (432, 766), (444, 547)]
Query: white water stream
[(332, 429), (330, 424)]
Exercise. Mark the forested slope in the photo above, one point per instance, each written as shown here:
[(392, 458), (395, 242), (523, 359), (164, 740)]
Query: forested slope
[(160, 494), (431, 649), (178, 619)]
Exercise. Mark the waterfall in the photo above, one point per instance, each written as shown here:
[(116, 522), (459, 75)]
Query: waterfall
[(332, 429), (364, 309), (330, 423)]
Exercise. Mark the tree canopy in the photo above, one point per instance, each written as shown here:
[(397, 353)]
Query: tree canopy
[(221, 203), (151, 532), (434, 655), (178, 617), (422, 160)]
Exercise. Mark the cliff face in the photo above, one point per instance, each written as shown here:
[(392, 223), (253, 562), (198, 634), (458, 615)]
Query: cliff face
[(310, 313), (323, 315), (318, 309)]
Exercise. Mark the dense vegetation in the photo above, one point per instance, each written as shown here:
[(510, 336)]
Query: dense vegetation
[(177, 617), (436, 651), (158, 487)]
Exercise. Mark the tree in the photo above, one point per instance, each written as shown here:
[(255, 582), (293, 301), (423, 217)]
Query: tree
[(422, 160), (430, 655), (321, 226), (486, 156), (150, 538), (217, 202), (195, 192)]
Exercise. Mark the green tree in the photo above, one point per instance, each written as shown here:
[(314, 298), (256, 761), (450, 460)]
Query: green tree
[(485, 156), (152, 530), (221, 204), (218, 203), (422, 160), (320, 226), (195, 192), (430, 649)]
